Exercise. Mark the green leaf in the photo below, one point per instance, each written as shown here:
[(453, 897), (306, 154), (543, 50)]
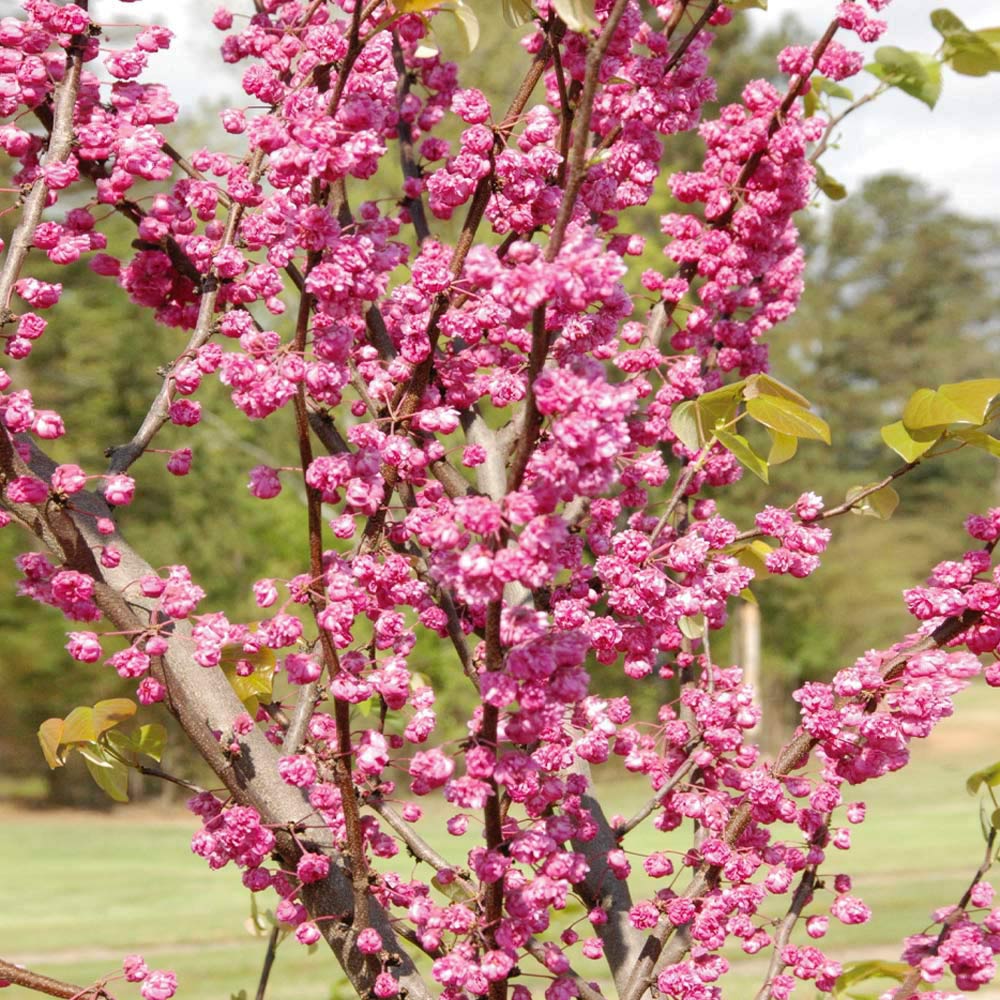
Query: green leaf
[(788, 417), (927, 409), (968, 52), (691, 626), (746, 4), (783, 447), (107, 714), (684, 423), (989, 776), (915, 73), (855, 973), (746, 594), (50, 736), (972, 397), (810, 103), (881, 504), (753, 555), (454, 890), (832, 188), (765, 385), (517, 12), (150, 740), (578, 14), (468, 23), (909, 445), (111, 776), (719, 406), (252, 688), (831, 89), (995, 819), (743, 453)]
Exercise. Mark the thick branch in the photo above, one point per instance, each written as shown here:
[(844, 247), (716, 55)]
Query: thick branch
[(204, 704), (601, 889), (18, 976)]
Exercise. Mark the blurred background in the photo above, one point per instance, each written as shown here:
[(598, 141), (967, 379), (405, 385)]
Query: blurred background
[(903, 290)]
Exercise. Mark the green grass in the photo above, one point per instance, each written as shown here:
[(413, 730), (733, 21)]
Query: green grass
[(81, 891)]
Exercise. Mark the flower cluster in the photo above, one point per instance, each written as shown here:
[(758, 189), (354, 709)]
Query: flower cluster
[(485, 426)]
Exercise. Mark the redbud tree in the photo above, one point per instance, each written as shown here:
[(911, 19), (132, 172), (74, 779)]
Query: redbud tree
[(511, 447)]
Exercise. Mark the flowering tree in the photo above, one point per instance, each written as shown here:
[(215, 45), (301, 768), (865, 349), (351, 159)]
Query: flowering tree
[(502, 448)]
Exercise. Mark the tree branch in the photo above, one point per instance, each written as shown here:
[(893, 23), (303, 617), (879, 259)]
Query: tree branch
[(61, 142), (19, 976), (204, 704)]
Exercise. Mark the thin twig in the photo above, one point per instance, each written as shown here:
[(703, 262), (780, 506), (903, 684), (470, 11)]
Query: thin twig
[(415, 206), (650, 805), (794, 753), (803, 893), (824, 142), (843, 508), (155, 772), (60, 147), (913, 979), (269, 957), (577, 165)]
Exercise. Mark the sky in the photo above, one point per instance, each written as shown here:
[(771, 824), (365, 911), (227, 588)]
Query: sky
[(954, 149)]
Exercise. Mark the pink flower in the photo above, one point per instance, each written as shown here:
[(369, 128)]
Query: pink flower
[(264, 482), (179, 463), (313, 867), (135, 968), (302, 669), (158, 985), (369, 941), (68, 479), (119, 490)]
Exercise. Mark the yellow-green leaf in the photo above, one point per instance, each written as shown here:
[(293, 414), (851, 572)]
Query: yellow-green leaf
[(691, 626), (414, 6), (50, 736), (78, 726), (578, 14), (881, 504), (978, 439), (766, 385), (107, 714), (744, 454), (830, 186), (753, 555), (909, 445), (859, 972), (783, 447), (468, 23), (111, 778), (684, 423), (972, 397), (787, 417), (928, 408), (150, 740), (454, 890), (989, 776), (517, 12)]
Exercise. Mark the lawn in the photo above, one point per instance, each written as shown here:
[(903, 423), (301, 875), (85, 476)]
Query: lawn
[(80, 891)]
